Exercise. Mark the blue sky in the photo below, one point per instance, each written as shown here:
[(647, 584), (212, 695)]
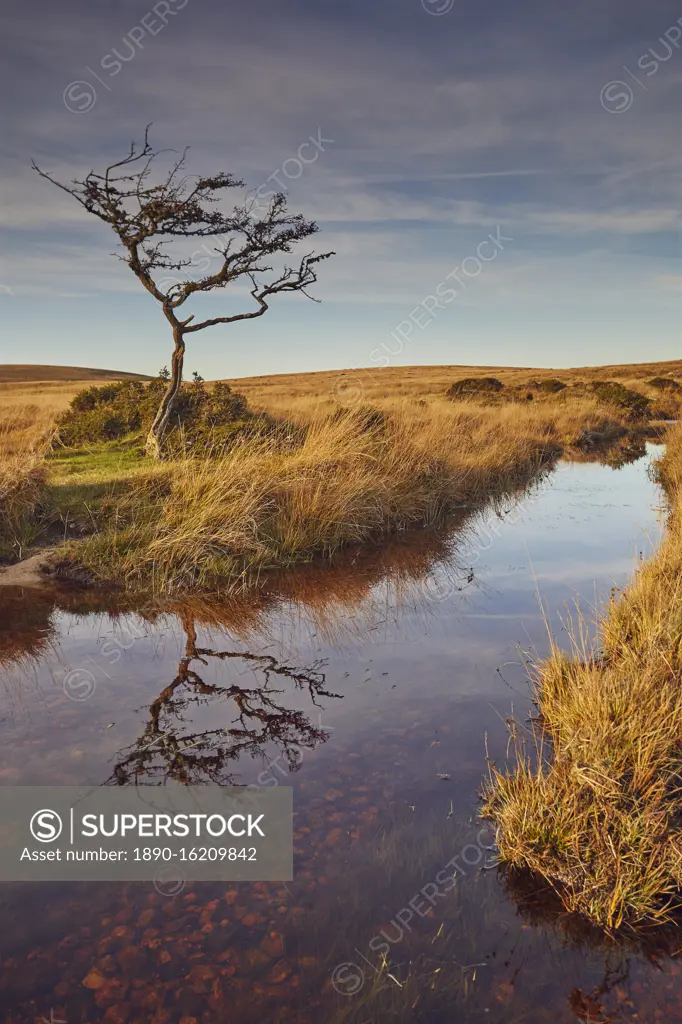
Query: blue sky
[(436, 124)]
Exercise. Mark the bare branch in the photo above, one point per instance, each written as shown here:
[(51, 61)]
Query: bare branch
[(289, 281)]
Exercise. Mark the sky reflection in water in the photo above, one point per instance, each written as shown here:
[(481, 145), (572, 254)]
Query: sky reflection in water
[(370, 687)]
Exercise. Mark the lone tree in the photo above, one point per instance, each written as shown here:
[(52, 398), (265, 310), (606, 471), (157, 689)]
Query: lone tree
[(149, 217)]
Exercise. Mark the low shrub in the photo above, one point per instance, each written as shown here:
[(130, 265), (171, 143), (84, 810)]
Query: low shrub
[(664, 384), (632, 402), (470, 387), (114, 411), (551, 386)]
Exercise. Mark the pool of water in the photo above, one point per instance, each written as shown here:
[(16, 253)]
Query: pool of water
[(376, 688)]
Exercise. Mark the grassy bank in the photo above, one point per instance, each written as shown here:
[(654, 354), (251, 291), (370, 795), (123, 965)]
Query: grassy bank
[(596, 812), (197, 522)]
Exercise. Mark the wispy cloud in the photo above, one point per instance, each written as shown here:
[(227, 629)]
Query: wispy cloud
[(442, 127)]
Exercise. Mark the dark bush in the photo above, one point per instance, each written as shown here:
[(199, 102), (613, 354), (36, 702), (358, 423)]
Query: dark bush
[(664, 384), (96, 396), (611, 391), (469, 387), (125, 408), (551, 386), (224, 404)]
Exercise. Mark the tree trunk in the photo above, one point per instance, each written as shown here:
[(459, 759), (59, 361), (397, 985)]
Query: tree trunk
[(160, 424)]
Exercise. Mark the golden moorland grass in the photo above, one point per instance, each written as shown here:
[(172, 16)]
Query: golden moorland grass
[(26, 431), (596, 809), (199, 522), (207, 522), (276, 393), (196, 522)]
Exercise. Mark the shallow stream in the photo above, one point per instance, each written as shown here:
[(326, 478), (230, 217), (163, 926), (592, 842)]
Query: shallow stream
[(373, 688)]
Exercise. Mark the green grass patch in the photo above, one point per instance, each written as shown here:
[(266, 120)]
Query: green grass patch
[(87, 489)]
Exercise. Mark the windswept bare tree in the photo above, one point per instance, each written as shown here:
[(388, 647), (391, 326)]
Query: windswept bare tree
[(149, 217)]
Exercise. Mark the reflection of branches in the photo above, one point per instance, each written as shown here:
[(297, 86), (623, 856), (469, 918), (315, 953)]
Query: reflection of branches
[(163, 753)]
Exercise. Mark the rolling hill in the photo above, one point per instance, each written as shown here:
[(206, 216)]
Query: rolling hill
[(21, 373), (60, 383)]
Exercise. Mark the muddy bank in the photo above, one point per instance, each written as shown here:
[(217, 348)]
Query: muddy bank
[(33, 571)]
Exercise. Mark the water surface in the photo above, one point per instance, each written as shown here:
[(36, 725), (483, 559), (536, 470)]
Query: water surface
[(373, 688)]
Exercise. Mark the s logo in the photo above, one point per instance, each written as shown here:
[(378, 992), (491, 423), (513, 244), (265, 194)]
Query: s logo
[(46, 826)]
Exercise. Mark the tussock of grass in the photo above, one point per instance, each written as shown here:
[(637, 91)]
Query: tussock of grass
[(25, 434), (597, 812)]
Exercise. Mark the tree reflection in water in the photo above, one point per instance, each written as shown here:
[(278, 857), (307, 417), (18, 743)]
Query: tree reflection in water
[(164, 751)]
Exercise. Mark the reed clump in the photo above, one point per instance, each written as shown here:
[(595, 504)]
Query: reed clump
[(596, 809), (26, 431)]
